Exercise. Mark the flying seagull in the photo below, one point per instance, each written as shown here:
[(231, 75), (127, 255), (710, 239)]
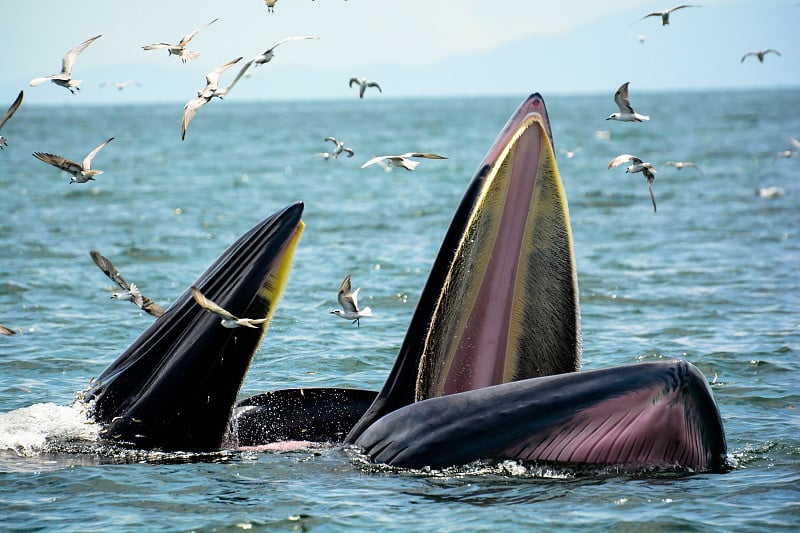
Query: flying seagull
[(349, 302), (7, 331), (403, 159), (339, 148), (665, 14), (130, 291), (626, 112), (363, 84), (64, 78), (569, 154), (180, 48), (683, 164), (208, 92), (119, 85), (760, 54), (80, 173), (268, 54), (228, 320), (11, 111), (271, 5), (647, 169)]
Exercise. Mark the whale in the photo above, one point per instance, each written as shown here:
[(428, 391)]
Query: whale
[(489, 368)]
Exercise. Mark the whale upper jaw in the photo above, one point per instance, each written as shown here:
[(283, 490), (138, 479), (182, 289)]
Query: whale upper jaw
[(175, 386), (501, 300)]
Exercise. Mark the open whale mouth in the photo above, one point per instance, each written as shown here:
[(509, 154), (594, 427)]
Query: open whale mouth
[(175, 386)]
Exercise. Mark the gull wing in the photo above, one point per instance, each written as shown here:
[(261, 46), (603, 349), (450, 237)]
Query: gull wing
[(7, 331), (426, 155), (670, 10), (375, 84), (36, 81), (240, 74), (624, 158), (355, 80), (190, 110), (208, 305), (67, 165), (376, 159), (349, 151), (149, 306), (109, 269), (650, 179), (294, 38), (158, 46), (11, 110), (87, 161), (186, 38), (347, 299), (69, 59), (212, 78), (621, 99)]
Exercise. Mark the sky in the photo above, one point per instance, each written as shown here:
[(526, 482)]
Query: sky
[(412, 48)]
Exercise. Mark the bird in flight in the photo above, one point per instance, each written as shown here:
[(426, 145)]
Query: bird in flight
[(363, 84), (208, 92), (349, 302), (626, 112), (665, 13), (647, 170), (81, 173), (227, 319), (9, 113), (130, 292), (119, 85), (403, 160), (683, 164), (760, 54), (64, 78), (180, 48), (339, 148)]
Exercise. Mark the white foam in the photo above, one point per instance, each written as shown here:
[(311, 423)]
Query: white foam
[(28, 430)]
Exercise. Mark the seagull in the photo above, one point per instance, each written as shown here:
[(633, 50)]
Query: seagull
[(339, 148), (268, 54), (119, 85), (208, 92), (131, 291), (7, 331), (80, 173), (180, 48), (760, 54), (683, 164), (11, 111), (770, 192), (403, 159), (228, 320), (64, 78), (271, 5), (647, 169), (665, 14), (626, 112), (349, 302), (569, 154), (363, 84)]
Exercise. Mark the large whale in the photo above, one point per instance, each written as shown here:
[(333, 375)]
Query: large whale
[(489, 367)]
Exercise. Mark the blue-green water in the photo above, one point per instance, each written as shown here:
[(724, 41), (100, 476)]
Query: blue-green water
[(713, 277)]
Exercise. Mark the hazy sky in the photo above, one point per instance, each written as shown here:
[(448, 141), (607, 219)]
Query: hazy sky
[(412, 47)]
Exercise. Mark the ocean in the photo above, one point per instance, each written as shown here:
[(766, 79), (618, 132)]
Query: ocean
[(712, 277)]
